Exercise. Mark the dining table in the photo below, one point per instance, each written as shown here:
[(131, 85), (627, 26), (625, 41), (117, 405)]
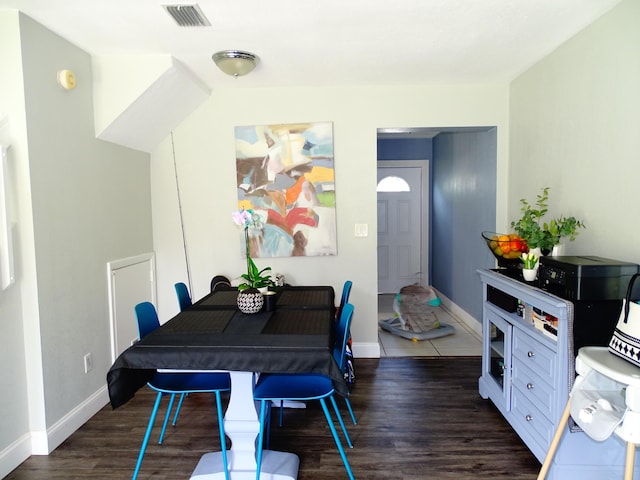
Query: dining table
[(294, 336)]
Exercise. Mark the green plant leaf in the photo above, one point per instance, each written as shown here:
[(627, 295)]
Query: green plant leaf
[(538, 233), (256, 278)]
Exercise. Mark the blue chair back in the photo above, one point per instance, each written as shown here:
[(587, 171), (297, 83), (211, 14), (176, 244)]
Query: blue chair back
[(342, 336), (184, 299), (147, 318), (346, 291)]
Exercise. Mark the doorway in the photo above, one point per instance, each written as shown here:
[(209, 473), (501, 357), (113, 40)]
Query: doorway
[(403, 219), (461, 189)]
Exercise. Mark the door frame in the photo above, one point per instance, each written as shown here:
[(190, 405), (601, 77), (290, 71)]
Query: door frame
[(425, 208), (112, 269)]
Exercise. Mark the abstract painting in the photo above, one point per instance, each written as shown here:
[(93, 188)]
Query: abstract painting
[(285, 174)]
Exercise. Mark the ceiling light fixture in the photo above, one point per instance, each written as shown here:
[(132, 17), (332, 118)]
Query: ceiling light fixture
[(235, 62)]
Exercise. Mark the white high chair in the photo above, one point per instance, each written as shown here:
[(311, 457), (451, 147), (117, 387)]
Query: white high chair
[(605, 399)]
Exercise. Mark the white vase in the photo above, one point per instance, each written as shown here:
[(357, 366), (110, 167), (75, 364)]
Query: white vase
[(529, 274), (250, 301), (558, 250)]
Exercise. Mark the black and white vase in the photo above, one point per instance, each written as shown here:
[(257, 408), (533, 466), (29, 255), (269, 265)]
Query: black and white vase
[(250, 300)]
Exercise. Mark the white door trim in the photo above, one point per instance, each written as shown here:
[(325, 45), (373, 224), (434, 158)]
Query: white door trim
[(112, 267)]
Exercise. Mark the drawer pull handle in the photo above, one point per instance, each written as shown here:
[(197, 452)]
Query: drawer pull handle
[(528, 418), (530, 354), (529, 386)]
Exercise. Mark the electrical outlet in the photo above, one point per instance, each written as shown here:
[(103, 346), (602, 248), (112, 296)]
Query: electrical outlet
[(88, 362)]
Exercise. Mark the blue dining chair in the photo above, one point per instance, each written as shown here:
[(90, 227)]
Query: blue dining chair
[(184, 299), (173, 384), (278, 387), (340, 348), (344, 299), (184, 302), (343, 358)]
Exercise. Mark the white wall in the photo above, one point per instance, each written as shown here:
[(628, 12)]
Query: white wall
[(575, 126), (204, 146), (14, 412)]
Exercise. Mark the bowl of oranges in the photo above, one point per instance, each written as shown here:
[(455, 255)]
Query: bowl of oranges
[(506, 247)]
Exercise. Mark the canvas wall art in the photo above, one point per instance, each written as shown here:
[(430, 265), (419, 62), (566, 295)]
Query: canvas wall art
[(285, 173)]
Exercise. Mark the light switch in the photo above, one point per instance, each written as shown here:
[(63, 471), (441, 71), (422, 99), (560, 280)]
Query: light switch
[(361, 230)]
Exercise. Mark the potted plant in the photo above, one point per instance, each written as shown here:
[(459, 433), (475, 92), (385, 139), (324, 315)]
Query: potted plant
[(529, 226), (254, 277), (530, 267), (250, 299), (563, 227), (540, 234)]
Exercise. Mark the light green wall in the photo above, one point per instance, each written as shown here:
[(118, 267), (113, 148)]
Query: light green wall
[(91, 205), (205, 158), (78, 203), (575, 126)]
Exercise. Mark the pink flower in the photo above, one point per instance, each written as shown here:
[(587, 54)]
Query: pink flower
[(243, 218)]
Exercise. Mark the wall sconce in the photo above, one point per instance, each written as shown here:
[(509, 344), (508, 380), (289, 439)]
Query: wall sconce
[(235, 62)]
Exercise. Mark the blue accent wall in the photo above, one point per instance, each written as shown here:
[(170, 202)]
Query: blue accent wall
[(462, 206), (405, 149)]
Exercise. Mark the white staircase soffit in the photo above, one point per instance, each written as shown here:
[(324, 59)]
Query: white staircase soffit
[(158, 110)]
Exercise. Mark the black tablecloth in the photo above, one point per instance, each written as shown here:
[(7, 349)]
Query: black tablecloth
[(214, 335)]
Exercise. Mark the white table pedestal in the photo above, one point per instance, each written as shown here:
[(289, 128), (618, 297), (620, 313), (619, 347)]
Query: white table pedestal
[(242, 426), (275, 466)]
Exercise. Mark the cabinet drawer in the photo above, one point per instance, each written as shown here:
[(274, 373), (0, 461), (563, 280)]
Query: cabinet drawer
[(537, 390), (533, 423), (534, 355)]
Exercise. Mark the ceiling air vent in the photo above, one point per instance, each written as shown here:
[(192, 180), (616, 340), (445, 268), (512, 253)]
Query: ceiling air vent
[(187, 15)]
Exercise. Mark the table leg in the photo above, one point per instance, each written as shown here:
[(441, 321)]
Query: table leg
[(628, 465), (242, 426), (554, 443)]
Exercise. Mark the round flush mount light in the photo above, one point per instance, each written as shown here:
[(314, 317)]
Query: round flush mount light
[(235, 62)]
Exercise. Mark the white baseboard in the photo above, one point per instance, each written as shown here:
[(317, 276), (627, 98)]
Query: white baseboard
[(366, 350), (474, 325), (44, 442), (16, 453)]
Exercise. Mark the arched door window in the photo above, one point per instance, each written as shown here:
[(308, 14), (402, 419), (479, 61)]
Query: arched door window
[(393, 184)]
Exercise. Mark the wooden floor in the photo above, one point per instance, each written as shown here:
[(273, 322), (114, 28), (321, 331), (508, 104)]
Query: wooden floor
[(418, 418)]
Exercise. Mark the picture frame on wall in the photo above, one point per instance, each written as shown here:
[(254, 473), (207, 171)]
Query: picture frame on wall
[(285, 174)]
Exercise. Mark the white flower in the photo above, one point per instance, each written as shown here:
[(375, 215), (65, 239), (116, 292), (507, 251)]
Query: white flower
[(529, 259), (247, 218)]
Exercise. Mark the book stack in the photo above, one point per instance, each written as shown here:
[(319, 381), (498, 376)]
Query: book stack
[(546, 323)]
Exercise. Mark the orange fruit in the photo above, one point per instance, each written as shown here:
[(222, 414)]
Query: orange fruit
[(516, 245), (505, 243)]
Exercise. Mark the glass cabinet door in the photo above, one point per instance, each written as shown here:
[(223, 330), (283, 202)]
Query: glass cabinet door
[(497, 354)]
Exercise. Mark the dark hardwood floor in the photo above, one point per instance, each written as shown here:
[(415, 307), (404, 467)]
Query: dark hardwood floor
[(418, 418)]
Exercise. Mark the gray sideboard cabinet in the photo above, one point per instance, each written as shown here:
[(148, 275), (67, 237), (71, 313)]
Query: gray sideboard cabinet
[(528, 374)]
